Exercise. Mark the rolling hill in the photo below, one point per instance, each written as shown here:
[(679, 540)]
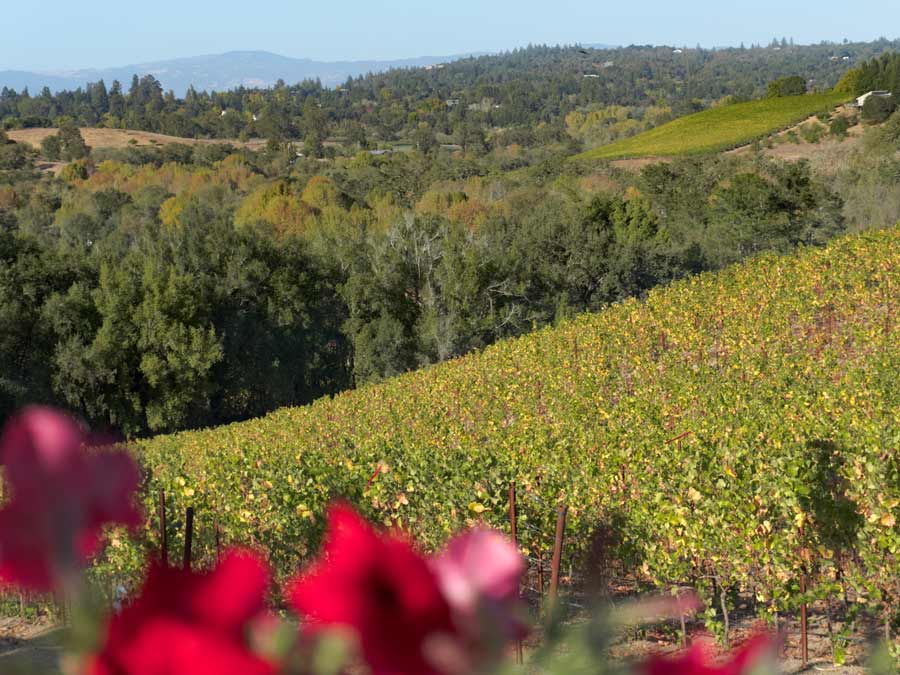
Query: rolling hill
[(699, 426), (718, 129)]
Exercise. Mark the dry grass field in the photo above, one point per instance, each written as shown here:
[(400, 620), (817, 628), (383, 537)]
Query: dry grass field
[(122, 138)]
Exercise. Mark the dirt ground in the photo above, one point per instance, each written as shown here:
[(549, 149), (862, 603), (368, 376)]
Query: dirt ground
[(122, 138), (640, 642), (827, 155), (638, 163), (812, 151), (656, 641), (50, 167), (36, 648), (29, 647)]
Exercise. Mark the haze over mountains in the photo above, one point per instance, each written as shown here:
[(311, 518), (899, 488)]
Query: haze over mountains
[(217, 72)]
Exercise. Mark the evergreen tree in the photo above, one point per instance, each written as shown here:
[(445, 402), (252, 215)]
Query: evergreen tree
[(116, 100), (72, 145), (99, 98)]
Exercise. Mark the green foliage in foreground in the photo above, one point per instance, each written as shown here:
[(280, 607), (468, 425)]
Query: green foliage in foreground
[(719, 129), (740, 426)]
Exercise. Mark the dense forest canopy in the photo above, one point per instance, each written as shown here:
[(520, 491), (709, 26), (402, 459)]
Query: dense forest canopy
[(160, 288), (879, 73)]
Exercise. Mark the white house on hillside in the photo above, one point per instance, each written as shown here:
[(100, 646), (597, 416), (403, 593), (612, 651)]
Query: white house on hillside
[(861, 100)]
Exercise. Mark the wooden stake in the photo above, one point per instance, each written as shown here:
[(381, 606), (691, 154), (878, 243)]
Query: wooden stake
[(557, 552), (512, 513), (683, 623), (540, 559), (163, 538), (218, 541), (188, 536), (804, 637), (512, 534)]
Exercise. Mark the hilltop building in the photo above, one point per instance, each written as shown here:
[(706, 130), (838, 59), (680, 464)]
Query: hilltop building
[(861, 100)]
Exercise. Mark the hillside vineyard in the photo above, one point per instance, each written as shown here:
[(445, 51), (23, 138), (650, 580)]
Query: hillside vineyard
[(738, 427), (719, 129)]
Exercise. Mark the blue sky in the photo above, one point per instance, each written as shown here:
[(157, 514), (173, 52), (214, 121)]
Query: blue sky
[(59, 34)]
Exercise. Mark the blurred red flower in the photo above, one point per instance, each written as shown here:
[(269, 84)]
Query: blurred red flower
[(189, 623), (698, 660), (380, 586), (61, 495)]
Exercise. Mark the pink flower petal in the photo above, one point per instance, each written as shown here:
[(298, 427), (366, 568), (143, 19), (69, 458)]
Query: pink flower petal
[(481, 563)]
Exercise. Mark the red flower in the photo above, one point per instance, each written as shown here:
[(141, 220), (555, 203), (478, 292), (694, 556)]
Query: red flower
[(698, 660), (379, 586), (61, 495), (191, 623)]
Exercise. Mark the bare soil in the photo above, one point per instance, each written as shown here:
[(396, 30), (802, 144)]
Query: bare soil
[(664, 639), (32, 647), (638, 163), (36, 648), (827, 155), (50, 167), (640, 642)]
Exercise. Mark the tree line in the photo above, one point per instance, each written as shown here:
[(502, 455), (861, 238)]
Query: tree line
[(526, 90)]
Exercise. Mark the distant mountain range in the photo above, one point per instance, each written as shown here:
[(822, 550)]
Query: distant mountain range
[(217, 72)]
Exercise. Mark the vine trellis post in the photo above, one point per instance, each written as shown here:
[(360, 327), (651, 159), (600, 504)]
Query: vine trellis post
[(513, 537)]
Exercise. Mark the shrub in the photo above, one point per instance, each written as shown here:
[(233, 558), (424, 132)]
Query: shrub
[(812, 132), (51, 147), (890, 133), (12, 155), (878, 109), (787, 86), (75, 171), (839, 126)]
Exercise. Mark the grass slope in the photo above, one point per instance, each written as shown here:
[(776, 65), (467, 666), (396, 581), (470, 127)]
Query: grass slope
[(718, 129), (691, 420)]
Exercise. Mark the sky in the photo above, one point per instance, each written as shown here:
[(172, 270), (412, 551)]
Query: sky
[(61, 34)]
